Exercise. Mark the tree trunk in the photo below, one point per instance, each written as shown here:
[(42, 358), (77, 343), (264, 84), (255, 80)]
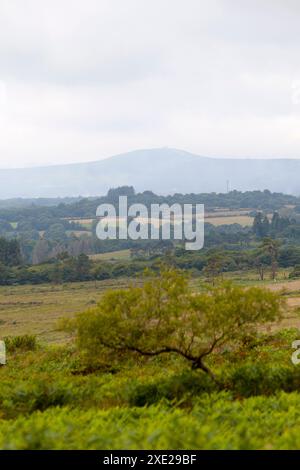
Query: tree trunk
[(274, 270), (200, 365), (261, 273)]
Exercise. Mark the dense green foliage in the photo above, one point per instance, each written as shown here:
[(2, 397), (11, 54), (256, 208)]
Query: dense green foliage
[(215, 422), (49, 399), (10, 253)]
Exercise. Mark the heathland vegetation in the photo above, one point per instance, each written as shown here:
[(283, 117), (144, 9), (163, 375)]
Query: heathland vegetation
[(123, 344)]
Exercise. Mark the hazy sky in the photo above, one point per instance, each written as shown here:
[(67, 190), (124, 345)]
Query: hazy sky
[(83, 80)]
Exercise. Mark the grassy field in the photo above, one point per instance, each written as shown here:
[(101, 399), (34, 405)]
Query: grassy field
[(38, 309), (121, 255)]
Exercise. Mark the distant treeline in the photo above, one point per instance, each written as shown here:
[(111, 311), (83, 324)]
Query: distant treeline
[(39, 233), (211, 263), (33, 202), (86, 208)]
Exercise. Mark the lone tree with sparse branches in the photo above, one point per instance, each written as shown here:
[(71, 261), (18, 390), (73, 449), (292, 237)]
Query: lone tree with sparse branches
[(165, 316)]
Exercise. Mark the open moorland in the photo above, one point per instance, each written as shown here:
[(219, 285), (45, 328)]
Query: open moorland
[(142, 345)]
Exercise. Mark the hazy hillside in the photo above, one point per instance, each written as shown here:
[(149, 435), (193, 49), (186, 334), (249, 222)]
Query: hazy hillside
[(160, 170)]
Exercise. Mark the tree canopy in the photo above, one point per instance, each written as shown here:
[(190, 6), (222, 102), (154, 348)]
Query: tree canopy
[(165, 316)]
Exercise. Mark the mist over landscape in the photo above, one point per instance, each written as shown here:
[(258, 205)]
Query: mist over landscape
[(164, 171)]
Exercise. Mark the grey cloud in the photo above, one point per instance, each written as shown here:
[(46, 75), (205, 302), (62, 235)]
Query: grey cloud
[(87, 79)]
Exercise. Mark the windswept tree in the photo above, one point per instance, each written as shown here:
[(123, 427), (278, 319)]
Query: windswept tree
[(165, 316), (271, 247), (260, 266), (214, 266), (261, 261)]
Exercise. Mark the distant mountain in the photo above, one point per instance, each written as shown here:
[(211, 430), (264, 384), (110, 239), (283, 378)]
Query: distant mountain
[(164, 171)]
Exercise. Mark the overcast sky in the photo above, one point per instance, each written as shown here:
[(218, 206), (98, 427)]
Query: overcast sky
[(84, 80)]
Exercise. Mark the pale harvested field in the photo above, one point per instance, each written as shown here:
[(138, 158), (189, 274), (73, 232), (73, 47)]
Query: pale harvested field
[(288, 286), (111, 256), (244, 220), (291, 291), (227, 212), (86, 223)]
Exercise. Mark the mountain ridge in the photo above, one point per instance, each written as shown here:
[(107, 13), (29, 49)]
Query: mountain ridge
[(162, 170)]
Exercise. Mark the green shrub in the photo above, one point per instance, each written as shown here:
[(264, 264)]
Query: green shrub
[(39, 394), (264, 379), (174, 388), (23, 343), (144, 394)]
